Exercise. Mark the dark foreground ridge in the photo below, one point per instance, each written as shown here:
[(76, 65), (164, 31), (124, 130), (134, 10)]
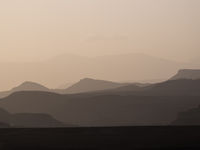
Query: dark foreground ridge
[(171, 137)]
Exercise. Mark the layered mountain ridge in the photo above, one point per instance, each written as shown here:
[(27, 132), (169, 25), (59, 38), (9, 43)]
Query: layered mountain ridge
[(106, 103)]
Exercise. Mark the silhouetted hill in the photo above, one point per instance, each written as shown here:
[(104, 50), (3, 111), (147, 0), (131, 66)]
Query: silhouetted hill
[(101, 110), (84, 85), (189, 117), (167, 88), (175, 87), (26, 86), (32, 120), (187, 74), (30, 86), (89, 85)]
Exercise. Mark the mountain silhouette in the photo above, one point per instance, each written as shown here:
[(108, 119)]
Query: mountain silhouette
[(84, 85), (89, 85), (176, 87), (166, 88), (156, 104), (103, 103), (68, 68), (187, 74), (28, 120), (30, 86), (189, 117), (25, 86)]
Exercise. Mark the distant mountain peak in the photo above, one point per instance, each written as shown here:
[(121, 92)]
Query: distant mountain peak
[(89, 84), (30, 86), (94, 80)]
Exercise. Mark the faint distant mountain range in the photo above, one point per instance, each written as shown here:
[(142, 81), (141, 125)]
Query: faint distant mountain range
[(33, 120), (187, 74), (68, 68), (189, 117)]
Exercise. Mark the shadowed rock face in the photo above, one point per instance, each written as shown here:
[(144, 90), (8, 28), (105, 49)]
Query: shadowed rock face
[(187, 74), (189, 117)]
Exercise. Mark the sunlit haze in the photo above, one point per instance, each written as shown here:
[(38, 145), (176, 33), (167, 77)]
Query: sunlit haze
[(56, 42), (39, 29)]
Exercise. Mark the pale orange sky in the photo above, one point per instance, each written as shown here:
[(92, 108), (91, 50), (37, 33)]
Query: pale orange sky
[(38, 29)]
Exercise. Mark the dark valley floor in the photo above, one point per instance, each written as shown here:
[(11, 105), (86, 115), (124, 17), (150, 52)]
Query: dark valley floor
[(139, 138)]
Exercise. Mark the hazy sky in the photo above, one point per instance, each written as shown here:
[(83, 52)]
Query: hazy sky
[(38, 29)]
